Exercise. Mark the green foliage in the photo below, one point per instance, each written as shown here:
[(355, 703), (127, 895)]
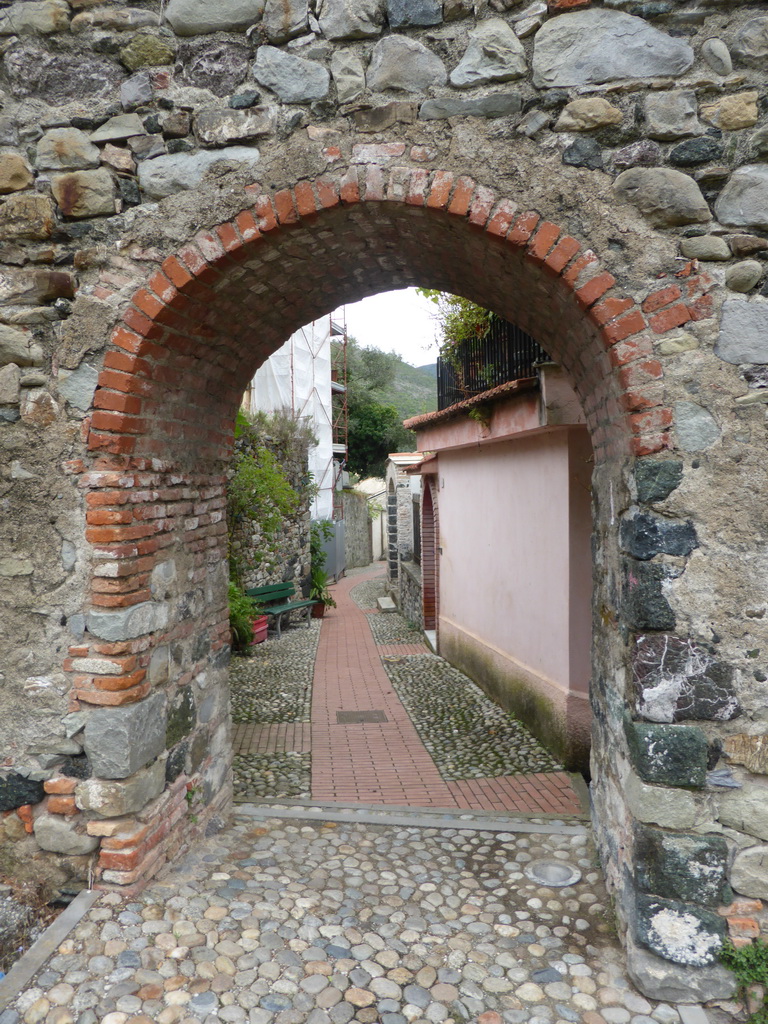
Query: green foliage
[(375, 431), (320, 530), (259, 490), (750, 965), (459, 319), (242, 611), (375, 426)]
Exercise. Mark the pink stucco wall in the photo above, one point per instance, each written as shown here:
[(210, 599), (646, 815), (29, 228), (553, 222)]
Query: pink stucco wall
[(515, 568)]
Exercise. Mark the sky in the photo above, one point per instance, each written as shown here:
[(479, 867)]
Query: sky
[(402, 321)]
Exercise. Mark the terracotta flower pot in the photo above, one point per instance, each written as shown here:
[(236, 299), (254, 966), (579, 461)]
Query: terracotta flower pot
[(260, 629), (318, 610)]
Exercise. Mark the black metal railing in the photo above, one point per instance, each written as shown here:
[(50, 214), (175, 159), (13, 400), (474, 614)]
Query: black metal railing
[(503, 354)]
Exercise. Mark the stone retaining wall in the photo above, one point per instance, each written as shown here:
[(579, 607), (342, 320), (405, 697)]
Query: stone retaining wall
[(225, 173), (357, 530), (283, 558), (409, 597)]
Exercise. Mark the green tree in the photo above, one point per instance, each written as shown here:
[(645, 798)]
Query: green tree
[(375, 428)]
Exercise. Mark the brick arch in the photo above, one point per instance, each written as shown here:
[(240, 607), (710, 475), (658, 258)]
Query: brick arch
[(160, 430), (231, 295)]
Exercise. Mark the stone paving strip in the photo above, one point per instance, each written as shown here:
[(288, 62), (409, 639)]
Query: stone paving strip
[(271, 698), (468, 735), (297, 922)]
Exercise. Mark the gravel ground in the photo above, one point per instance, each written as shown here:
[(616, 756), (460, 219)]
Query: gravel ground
[(274, 683), (392, 628), (267, 775), (289, 922), (366, 594), (467, 734)]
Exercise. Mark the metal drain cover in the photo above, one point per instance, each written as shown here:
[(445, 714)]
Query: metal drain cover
[(553, 873), (359, 717)]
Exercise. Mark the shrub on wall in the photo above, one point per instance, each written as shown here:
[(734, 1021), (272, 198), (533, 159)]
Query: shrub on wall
[(268, 497)]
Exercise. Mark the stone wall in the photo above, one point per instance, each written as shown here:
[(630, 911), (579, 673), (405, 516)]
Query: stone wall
[(284, 557), (357, 530), (409, 593), (225, 173)]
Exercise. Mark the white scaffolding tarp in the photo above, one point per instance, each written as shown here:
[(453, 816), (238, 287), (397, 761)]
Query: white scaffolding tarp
[(298, 377)]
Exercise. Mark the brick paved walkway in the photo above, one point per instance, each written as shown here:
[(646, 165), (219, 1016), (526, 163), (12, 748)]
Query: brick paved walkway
[(385, 762)]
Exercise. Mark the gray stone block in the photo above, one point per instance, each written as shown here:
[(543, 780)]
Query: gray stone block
[(350, 19), (501, 104), (655, 479), (667, 198), (696, 429), (590, 47), (78, 387), (743, 332), (220, 127), (193, 17), (399, 62), (112, 799), (680, 932), (348, 74), (168, 174), (128, 622), (672, 115), (744, 276), (670, 755), (119, 741), (292, 79), (745, 810), (660, 979), (284, 19), (690, 868), (19, 347), (58, 834), (659, 805), (494, 54), (705, 247), (743, 201), (412, 13), (749, 872), (717, 55)]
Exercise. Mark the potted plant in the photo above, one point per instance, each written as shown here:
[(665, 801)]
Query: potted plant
[(318, 577), (243, 616), (260, 628), (318, 589)]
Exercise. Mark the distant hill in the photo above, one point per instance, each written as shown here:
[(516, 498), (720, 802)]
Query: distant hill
[(413, 390), (430, 368)]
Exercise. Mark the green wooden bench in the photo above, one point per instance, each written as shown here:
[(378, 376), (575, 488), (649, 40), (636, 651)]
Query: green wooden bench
[(275, 600)]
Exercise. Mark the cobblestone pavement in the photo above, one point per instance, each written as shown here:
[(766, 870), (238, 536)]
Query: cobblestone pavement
[(306, 912), (290, 921)]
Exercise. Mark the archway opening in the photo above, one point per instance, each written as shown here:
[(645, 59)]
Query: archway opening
[(174, 373)]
